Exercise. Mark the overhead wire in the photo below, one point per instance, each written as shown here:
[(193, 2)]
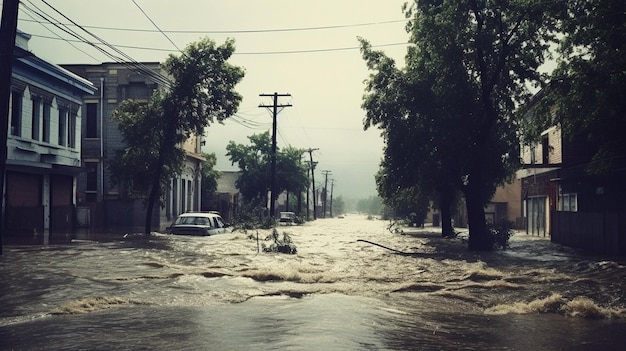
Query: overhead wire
[(157, 27), (37, 11), (58, 36), (122, 58), (164, 33), (241, 53), (117, 45), (245, 122), (246, 31)]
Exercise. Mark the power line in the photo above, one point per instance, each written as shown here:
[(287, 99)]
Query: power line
[(308, 51), (122, 58), (157, 27), (242, 53), (243, 31), (58, 37), (248, 123)]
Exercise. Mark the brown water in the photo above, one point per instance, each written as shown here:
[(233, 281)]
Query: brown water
[(337, 293)]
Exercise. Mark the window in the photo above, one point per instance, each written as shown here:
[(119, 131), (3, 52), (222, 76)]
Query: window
[(189, 195), (62, 127), (182, 196), (174, 195), (545, 150), (16, 113), (91, 189), (137, 90), (568, 202), (45, 128), (71, 130), (92, 121), (36, 118)]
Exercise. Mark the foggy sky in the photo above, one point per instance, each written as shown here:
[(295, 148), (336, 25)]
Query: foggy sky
[(306, 48)]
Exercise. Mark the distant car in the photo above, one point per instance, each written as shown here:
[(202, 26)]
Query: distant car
[(287, 217), (199, 223)]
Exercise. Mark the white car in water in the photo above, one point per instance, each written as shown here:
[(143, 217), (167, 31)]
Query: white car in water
[(199, 223)]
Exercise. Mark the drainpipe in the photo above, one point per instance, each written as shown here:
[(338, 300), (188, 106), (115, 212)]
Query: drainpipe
[(101, 138)]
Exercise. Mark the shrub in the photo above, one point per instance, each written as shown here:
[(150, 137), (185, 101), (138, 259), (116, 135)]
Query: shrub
[(253, 215), (500, 233), (283, 245)]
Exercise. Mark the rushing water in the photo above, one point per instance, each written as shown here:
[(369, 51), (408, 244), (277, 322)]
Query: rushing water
[(339, 292)]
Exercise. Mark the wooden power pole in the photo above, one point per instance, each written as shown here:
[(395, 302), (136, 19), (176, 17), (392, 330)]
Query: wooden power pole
[(312, 164), (275, 111), (326, 173), (8, 31)]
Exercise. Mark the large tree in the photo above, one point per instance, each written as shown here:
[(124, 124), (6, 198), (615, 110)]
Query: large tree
[(201, 92), (587, 91), (467, 69), (254, 161), (209, 180)]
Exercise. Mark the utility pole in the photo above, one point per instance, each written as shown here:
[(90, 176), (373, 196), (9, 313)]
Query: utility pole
[(326, 173), (8, 31), (310, 151), (275, 111), (332, 186), (307, 192)]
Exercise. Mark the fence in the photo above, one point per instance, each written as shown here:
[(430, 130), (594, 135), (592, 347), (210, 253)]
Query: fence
[(602, 233)]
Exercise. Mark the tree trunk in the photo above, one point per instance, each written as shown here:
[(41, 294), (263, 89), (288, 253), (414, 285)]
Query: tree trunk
[(479, 239), (155, 190), (299, 203), (445, 206), (154, 195)]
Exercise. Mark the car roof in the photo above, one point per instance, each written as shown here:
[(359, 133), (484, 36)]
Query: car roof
[(199, 214)]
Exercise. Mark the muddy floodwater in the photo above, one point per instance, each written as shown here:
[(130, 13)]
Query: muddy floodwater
[(339, 292)]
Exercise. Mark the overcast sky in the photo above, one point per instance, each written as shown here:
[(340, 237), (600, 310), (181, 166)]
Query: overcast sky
[(306, 48)]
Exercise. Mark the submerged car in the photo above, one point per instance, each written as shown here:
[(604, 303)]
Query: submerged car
[(287, 217), (199, 223)]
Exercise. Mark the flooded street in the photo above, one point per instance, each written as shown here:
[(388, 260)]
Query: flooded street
[(339, 292)]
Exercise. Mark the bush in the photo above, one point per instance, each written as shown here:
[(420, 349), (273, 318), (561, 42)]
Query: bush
[(283, 245), (299, 220), (253, 215), (500, 233)]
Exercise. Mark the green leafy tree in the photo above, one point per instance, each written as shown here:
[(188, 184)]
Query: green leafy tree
[(453, 104), (141, 124), (209, 180), (339, 205), (586, 95), (291, 173), (201, 92), (372, 205), (254, 160)]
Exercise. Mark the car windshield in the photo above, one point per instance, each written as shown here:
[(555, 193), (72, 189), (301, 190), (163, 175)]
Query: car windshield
[(193, 221)]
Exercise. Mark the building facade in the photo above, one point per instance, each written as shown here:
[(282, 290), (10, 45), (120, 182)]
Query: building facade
[(226, 198), (103, 205), (564, 201), (43, 147)]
